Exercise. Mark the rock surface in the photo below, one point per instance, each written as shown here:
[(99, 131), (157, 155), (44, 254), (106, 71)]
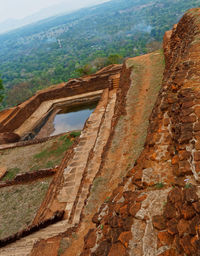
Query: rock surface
[(8, 137), (166, 220)]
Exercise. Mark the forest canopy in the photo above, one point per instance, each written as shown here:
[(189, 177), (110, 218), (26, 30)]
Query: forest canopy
[(57, 49)]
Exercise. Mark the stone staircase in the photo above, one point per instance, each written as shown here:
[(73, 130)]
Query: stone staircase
[(115, 81), (94, 162)]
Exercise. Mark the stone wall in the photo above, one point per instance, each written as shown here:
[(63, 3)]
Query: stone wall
[(13, 119)]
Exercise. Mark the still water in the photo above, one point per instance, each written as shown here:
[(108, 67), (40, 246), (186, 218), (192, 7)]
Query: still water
[(73, 118)]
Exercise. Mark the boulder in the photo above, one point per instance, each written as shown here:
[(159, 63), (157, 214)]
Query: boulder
[(3, 171), (9, 137)]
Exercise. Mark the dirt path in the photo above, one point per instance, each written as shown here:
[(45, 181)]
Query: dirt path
[(128, 139)]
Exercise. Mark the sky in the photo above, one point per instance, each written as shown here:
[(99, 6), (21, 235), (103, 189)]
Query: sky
[(19, 9)]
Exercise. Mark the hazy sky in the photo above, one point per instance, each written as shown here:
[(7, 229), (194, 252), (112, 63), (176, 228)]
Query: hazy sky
[(18, 9)]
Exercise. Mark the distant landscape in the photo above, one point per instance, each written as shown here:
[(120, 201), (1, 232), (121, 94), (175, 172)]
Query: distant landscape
[(59, 48)]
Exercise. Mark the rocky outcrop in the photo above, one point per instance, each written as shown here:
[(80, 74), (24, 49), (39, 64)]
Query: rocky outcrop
[(155, 211), (8, 137)]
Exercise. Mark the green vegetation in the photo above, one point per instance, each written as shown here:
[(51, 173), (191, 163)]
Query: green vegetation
[(64, 244), (1, 91), (60, 48), (44, 155), (19, 204), (159, 185), (96, 189), (188, 185), (65, 143), (55, 152), (11, 174)]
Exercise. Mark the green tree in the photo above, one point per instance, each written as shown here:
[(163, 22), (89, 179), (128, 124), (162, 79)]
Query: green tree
[(85, 70), (114, 59), (1, 90)]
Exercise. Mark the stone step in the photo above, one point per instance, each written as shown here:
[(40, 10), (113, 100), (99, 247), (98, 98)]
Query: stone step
[(94, 163)]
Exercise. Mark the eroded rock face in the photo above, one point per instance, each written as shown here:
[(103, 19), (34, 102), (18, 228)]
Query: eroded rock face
[(158, 204), (9, 137)]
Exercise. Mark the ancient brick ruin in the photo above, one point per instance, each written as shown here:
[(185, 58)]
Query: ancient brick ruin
[(129, 185)]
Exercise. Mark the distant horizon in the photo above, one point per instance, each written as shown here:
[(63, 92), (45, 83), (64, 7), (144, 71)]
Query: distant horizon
[(23, 12)]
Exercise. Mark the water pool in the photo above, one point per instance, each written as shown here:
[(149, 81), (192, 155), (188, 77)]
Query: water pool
[(72, 118)]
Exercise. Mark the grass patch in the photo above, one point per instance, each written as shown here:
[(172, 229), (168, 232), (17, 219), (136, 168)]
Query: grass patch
[(11, 174), (51, 156), (189, 185), (159, 185), (64, 244), (60, 147), (97, 186), (19, 205)]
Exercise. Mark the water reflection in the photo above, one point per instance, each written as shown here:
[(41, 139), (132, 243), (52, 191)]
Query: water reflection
[(72, 119)]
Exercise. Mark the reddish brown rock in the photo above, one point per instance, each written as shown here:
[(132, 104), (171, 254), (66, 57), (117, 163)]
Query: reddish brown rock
[(165, 238), (159, 222), (187, 211), (187, 111), (188, 104), (197, 111), (197, 127), (130, 196), (141, 198), (166, 121), (190, 195), (195, 242), (188, 119), (114, 234), (86, 253), (197, 144), (90, 239), (106, 231), (172, 226), (114, 222), (197, 167), (170, 252), (95, 218), (185, 164), (185, 137), (117, 250), (124, 211), (175, 195), (169, 211), (103, 248), (127, 223), (175, 160), (187, 246), (125, 237), (137, 177), (197, 156), (134, 208), (183, 227), (196, 206), (177, 245), (9, 137), (186, 127), (194, 223), (171, 98), (184, 155)]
